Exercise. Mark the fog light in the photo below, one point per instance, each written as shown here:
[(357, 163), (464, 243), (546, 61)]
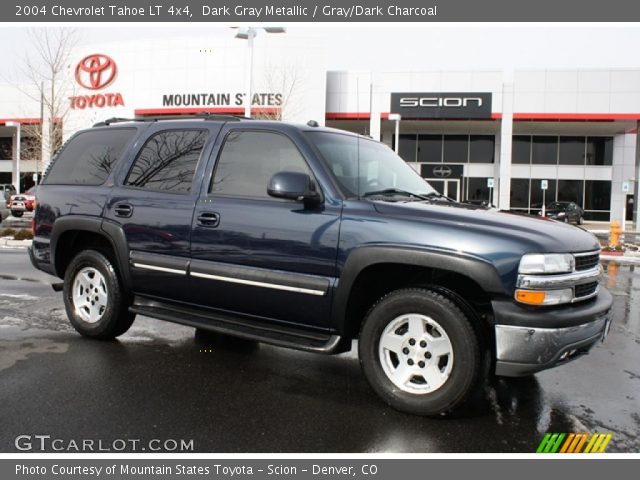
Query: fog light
[(544, 297)]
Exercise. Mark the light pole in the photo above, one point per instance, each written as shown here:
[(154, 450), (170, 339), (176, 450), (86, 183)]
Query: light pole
[(396, 117), (249, 33), (16, 152)]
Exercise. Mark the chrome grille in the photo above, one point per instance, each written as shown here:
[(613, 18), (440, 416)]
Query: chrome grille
[(586, 261), (585, 290)]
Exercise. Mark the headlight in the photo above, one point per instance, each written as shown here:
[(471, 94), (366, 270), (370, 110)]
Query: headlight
[(546, 263), (561, 214)]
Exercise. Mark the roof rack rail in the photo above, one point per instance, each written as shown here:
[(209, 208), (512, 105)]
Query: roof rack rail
[(156, 118)]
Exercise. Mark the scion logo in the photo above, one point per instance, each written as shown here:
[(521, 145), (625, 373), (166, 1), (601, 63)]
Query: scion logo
[(96, 71), (442, 171), (452, 102)]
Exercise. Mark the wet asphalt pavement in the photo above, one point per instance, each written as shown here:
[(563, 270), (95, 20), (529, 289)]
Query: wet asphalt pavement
[(160, 381)]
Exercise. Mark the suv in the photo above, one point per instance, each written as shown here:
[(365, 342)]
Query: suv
[(309, 237)]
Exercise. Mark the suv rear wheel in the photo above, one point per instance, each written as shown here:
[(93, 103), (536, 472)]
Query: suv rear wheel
[(419, 352), (94, 299)]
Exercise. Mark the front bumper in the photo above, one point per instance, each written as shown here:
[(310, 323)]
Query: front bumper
[(531, 340)]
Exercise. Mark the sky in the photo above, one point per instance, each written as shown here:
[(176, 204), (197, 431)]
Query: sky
[(420, 47)]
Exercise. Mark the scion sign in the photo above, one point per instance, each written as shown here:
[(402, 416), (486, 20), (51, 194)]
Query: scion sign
[(441, 105)]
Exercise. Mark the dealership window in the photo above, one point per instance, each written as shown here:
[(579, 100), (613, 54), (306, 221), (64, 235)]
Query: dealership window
[(456, 149), (544, 150), (407, 147), (249, 159), (168, 161), (481, 148), (572, 151), (570, 191), (89, 157), (477, 189), (537, 194), (430, 148), (593, 195), (521, 149), (597, 195), (520, 193), (566, 150), (6, 148), (599, 151)]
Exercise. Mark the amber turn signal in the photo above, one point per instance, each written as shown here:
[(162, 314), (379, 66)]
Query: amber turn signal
[(530, 297)]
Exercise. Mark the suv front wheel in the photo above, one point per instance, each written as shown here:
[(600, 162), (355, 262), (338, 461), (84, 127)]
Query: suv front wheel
[(94, 299), (419, 352)]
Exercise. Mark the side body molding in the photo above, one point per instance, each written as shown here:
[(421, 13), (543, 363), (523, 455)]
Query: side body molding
[(477, 269)]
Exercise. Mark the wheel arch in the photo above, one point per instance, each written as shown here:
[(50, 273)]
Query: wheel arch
[(361, 281), (72, 234)]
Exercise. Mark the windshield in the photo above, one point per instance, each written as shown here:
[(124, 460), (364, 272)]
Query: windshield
[(379, 169), (556, 206)]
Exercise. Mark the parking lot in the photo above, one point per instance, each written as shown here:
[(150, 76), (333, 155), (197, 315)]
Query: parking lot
[(160, 381)]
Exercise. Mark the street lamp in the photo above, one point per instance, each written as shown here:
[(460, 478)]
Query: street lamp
[(249, 33), (396, 117), (16, 152)]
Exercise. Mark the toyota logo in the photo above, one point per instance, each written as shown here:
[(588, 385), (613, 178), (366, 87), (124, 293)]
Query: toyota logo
[(442, 171), (95, 71)]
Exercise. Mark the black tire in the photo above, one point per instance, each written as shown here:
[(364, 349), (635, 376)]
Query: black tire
[(17, 213), (115, 318), (466, 352)]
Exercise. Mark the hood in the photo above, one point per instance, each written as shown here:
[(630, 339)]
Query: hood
[(458, 228)]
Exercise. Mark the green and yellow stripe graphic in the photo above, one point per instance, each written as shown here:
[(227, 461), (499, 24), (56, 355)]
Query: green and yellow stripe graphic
[(574, 443)]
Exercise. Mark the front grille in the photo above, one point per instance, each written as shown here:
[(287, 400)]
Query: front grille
[(585, 289), (586, 262)]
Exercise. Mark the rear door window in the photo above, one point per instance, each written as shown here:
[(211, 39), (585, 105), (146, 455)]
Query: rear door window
[(89, 157), (168, 161)]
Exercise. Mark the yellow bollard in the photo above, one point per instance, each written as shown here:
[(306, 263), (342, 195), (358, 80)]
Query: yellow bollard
[(614, 235)]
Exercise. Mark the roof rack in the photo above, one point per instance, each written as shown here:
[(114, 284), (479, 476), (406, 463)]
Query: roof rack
[(156, 118)]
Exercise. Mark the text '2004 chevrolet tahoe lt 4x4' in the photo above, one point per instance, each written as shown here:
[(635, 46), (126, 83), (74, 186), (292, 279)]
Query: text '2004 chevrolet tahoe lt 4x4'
[(308, 237)]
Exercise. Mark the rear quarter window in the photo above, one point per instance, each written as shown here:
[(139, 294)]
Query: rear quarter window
[(89, 157)]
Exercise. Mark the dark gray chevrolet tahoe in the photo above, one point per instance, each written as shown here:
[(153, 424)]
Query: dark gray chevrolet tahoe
[(309, 237)]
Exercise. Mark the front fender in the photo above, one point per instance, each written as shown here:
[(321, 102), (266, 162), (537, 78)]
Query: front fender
[(477, 269)]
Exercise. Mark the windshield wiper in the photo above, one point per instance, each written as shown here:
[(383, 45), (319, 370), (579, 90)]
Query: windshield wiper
[(395, 191), (432, 195)]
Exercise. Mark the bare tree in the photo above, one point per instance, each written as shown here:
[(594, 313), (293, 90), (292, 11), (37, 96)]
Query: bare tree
[(283, 80), (50, 82)]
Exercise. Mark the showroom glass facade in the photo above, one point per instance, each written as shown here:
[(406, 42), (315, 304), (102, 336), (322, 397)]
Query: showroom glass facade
[(536, 150), (579, 151), (452, 149), (447, 148), (560, 150)]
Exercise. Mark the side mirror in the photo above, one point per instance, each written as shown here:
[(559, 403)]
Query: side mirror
[(293, 186)]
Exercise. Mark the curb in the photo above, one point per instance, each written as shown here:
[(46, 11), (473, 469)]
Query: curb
[(8, 242)]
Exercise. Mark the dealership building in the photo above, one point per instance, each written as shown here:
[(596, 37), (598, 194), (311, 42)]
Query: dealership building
[(518, 139)]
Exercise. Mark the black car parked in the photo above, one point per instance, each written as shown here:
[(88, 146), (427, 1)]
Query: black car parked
[(568, 212)]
